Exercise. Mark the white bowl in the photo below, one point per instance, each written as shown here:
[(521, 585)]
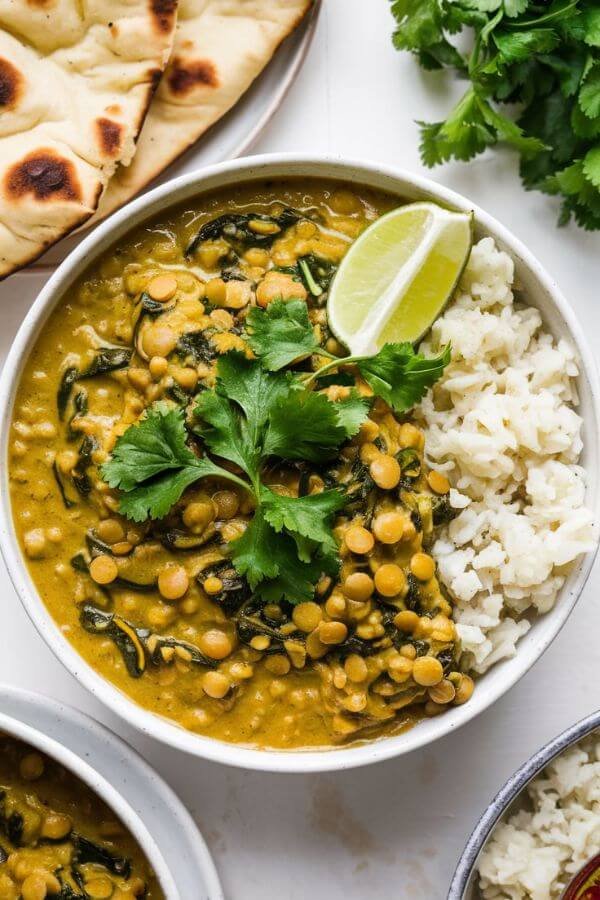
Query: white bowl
[(113, 799), (182, 848), (540, 291)]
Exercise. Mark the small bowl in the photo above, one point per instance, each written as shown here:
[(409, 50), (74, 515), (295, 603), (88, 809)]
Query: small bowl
[(507, 800), (541, 291), (114, 763), (61, 754)]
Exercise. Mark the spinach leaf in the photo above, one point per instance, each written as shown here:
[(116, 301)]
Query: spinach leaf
[(86, 851), (244, 230)]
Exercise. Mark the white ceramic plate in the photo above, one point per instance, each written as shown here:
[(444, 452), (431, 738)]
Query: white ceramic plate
[(541, 291), (235, 133), (168, 822)]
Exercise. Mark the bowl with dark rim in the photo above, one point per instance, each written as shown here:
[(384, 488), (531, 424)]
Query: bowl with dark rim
[(508, 801), (541, 291)]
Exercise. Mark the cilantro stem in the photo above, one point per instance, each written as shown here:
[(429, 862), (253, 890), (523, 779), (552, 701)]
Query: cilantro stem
[(551, 16), (336, 362), (229, 476)]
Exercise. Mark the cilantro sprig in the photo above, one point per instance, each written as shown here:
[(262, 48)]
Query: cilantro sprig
[(543, 58), (257, 413), (282, 334), (152, 465), (251, 417)]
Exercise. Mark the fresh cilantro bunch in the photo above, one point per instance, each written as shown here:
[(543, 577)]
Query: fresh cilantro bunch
[(542, 57), (258, 413)]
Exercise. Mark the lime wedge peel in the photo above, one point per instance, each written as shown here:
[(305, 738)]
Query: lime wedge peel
[(397, 277)]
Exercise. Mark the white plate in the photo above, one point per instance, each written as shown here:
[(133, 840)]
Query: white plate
[(159, 808), (231, 136)]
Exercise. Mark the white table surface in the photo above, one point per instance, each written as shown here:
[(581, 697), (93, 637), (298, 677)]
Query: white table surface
[(393, 830)]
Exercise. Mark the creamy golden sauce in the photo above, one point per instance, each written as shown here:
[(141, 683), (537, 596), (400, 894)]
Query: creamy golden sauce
[(340, 669)]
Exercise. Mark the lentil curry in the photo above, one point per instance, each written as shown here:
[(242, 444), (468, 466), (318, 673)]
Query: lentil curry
[(59, 840), (154, 602)]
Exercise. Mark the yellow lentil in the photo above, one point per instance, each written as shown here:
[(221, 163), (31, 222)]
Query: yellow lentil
[(438, 482), (306, 616), (422, 566), (103, 569), (427, 671), (173, 582), (359, 540)]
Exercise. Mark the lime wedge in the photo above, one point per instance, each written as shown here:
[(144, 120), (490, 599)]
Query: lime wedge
[(397, 277)]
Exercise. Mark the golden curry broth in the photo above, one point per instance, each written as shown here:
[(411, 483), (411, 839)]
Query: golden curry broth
[(286, 699), (47, 816)]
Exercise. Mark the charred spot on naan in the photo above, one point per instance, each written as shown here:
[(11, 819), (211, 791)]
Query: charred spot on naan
[(11, 85), (183, 76), (44, 174), (163, 12), (109, 134), (153, 77)]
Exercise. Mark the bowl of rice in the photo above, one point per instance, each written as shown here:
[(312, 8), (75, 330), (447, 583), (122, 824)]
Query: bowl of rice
[(542, 828), (513, 424)]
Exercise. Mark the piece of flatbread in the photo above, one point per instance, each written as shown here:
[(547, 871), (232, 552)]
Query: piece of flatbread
[(76, 80), (220, 48)]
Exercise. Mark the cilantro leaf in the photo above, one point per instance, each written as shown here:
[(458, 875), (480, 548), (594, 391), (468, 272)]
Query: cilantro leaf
[(157, 444), (152, 464), (400, 375), (304, 425), (307, 517), (254, 553), (591, 166), (226, 432), (509, 131), (296, 579), (518, 45), (592, 26), (281, 334), (568, 181), (270, 562), (255, 391), (589, 95), (153, 499), (515, 7), (463, 135), (352, 412), (419, 24)]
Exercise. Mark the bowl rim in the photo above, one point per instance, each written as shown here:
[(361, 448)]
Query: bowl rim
[(115, 801), (255, 168), (509, 792)]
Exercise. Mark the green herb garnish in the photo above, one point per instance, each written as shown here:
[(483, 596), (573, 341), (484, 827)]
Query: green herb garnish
[(282, 334), (249, 418), (542, 58), (256, 414)]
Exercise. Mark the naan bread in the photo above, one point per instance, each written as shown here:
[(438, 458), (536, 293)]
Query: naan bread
[(220, 48), (76, 79)]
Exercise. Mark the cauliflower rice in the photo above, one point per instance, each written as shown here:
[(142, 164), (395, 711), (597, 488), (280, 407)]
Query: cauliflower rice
[(501, 424), (535, 854)]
